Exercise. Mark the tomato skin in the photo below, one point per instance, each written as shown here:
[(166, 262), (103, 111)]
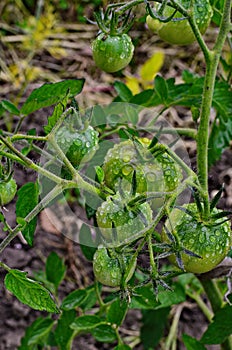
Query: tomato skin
[(78, 145), (127, 225), (107, 269), (210, 242), (180, 32), (7, 191), (160, 173), (112, 53)]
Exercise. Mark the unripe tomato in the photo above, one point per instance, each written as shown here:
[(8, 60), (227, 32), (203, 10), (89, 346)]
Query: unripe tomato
[(118, 223), (112, 53), (78, 145), (210, 242), (157, 174), (7, 191), (180, 32), (107, 269)]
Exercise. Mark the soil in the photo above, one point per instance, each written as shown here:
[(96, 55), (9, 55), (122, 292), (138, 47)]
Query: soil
[(15, 317)]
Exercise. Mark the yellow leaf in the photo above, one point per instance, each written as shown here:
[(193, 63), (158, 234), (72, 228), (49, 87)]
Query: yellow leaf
[(152, 66), (133, 84)]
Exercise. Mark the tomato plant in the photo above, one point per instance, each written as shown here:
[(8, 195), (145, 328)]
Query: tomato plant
[(145, 209)]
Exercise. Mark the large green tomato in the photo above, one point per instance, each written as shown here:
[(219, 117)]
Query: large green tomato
[(210, 242), (180, 32)]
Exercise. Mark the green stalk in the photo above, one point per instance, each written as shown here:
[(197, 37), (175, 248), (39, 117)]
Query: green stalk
[(212, 60)]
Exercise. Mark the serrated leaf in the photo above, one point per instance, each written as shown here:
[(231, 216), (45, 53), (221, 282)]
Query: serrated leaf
[(58, 111), (50, 94), (154, 322), (9, 107), (220, 328), (117, 311), (86, 323), (123, 91), (28, 196), (152, 66), (55, 269), (36, 333), (29, 292), (192, 343), (104, 333), (74, 299), (63, 333)]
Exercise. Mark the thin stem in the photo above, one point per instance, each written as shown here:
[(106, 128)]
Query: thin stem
[(174, 327), (212, 60), (4, 266)]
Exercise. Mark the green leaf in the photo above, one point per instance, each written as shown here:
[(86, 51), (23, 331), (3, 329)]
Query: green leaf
[(220, 328), (29, 292), (168, 297), (28, 196), (144, 298), (117, 311), (192, 343), (50, 94), (63, 333), (104, 333), (58, 111), (100, 173), (86, 323), (123, 91), (154, 322), (90, 299), (122, 347), (74, 299), (55, 269), (87, 244), (161, 88), (9, 107), (145, 98), (36, 333)]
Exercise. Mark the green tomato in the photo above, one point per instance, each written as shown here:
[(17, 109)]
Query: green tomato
[(108, 270), (210, 242), (112, 53), (180, 32), (156, 174), (78, 145), (7, 191), (120, 224)]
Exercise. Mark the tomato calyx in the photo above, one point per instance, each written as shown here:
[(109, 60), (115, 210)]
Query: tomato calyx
[(175, 247), (113, 23)]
